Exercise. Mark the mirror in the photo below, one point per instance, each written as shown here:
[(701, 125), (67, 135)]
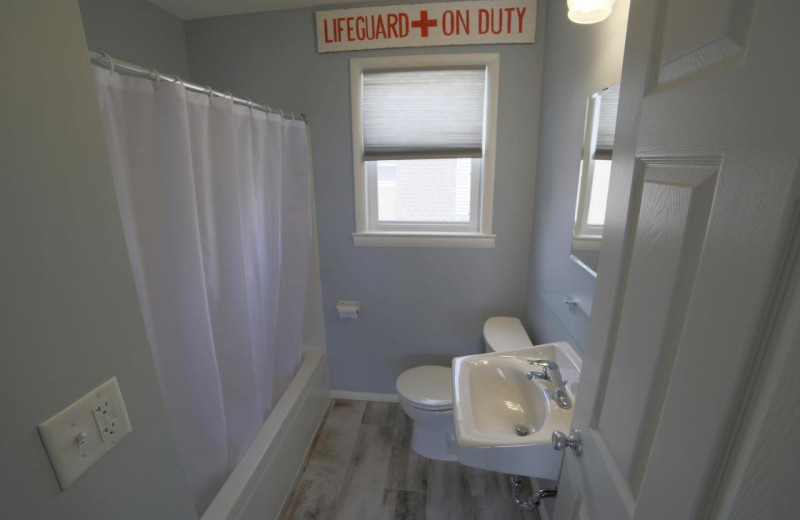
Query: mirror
[(595, 173)]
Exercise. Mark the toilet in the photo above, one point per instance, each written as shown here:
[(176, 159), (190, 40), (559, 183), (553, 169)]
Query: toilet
[(426, 392)]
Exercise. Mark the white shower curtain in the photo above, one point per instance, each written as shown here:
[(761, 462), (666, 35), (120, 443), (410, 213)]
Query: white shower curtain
[(216, 208)]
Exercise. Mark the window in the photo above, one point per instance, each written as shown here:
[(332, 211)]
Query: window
[(423, 147), (598, 147)]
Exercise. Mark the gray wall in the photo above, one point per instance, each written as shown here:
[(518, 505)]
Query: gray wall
[(69, 316), (579, 60), (418, 305), (136, 31)]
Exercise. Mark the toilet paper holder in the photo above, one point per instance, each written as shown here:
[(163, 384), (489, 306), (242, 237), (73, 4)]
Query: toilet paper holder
[(348, 309)]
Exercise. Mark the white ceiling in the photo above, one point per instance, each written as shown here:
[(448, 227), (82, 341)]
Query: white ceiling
[(191, 9)]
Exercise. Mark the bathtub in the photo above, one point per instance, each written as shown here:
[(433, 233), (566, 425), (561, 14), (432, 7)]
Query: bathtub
[(260, 484)]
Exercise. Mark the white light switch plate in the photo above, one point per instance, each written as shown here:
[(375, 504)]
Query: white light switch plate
[(76, 437)]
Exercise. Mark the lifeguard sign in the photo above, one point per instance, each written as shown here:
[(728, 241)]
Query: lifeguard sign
[(422, 25)]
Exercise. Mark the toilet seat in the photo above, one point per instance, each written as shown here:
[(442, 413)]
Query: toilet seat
[(427, 388)]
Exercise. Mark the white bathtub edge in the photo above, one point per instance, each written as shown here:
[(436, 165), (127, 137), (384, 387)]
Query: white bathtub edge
[(258, 486)]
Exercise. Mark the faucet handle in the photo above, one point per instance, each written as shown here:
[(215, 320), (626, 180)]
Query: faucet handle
[(544, 363), (544, 374)]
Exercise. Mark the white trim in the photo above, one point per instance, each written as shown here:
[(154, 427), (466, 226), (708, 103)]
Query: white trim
[(360, 174), (410, 239), (365, 234), (489, 140), (364, 396), (371, 185), (261, 482), (586, 243), (582, 230)]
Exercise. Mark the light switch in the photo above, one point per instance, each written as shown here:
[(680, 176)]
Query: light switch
[(76, 437)]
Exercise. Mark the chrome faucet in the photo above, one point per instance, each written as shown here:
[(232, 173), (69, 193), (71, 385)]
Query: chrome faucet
[(551, 373)]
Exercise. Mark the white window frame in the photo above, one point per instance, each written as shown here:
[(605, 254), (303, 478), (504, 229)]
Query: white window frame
[(477, 233), (587, 237)]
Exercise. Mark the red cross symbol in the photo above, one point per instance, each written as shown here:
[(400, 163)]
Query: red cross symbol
[(423, 23)]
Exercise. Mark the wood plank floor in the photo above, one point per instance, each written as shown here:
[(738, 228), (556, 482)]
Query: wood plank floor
[(362, 467)]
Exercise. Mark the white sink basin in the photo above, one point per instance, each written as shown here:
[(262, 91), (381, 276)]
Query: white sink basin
[(503, 421)]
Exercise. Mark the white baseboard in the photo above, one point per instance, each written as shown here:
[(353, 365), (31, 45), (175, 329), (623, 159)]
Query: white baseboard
[(364, 396)]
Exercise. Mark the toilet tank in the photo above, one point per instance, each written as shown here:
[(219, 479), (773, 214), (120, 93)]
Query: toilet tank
[(503, 333)]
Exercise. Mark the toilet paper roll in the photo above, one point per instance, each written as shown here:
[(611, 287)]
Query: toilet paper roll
[(348, 309)]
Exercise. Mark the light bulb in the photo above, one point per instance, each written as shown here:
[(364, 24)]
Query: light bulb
[(589, 11)]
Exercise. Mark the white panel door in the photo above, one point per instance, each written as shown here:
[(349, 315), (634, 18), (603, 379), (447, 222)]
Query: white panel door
[(703, 196)]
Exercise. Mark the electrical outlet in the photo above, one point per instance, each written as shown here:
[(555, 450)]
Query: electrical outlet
[(105, 416), (78, 436)]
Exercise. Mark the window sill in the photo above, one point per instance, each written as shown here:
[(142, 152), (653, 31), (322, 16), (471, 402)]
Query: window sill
[(409, 239)]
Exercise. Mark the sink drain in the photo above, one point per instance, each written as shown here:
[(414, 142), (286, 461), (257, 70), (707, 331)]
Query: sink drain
[(521, 430)]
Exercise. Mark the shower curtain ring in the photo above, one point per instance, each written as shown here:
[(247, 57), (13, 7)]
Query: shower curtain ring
[(281, 110), (156, 78), (209, 91), (110, 60), (228, 94)]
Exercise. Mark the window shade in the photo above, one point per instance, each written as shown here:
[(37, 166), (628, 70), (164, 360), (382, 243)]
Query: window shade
[(609, 102), (423, 113)]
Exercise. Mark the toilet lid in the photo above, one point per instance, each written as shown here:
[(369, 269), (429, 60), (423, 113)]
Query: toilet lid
[(504, 333), (429, 387)]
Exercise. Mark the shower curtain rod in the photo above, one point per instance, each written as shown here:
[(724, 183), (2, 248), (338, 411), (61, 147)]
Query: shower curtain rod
[(107, 62)]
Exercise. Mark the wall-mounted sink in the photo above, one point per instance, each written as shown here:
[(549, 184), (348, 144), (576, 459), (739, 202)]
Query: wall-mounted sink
[(504, 418)]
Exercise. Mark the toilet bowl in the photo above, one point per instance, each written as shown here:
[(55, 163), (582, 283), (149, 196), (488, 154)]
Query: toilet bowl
[(426, 396), (426, 392)]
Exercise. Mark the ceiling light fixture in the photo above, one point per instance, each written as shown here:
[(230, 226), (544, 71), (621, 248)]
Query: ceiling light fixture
[(589, 11)]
